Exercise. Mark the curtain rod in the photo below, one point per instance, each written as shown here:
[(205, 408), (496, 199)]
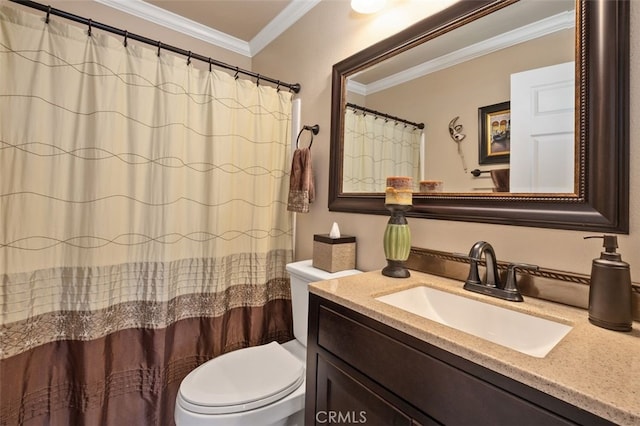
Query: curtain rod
[(295, 87), (382, 114)]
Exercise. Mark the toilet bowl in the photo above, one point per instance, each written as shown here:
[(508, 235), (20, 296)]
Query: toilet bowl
[(260, 385)]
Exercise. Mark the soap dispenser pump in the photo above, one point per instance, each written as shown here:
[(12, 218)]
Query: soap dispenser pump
[(610, 288)]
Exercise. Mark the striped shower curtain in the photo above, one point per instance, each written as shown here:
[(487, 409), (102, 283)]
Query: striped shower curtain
[(143, 223), (375, 148)]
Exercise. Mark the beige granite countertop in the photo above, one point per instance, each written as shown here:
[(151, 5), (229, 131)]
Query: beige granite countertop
[(592, 368)]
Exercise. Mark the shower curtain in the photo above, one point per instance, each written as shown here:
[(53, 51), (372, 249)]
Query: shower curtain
[(143, 223), (375, 148)]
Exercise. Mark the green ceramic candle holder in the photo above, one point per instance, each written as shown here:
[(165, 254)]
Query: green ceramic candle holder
[(397, 242)]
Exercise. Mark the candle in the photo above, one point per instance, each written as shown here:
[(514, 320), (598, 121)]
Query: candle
[(399, 190)]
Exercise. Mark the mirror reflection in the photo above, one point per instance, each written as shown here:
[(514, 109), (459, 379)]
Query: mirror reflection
[(487, 107)]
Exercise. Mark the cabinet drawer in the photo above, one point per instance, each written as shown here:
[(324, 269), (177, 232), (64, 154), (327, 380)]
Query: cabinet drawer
[(340, 394), (424, 381)]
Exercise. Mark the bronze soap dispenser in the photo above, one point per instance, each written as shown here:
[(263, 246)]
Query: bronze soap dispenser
[(610, 288)]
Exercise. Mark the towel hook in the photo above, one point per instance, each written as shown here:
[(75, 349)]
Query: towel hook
[(315, 129)]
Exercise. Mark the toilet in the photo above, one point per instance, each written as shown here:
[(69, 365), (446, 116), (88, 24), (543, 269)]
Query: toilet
[(260, 385)]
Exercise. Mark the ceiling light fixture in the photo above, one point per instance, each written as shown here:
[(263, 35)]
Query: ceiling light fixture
[(367, 6)]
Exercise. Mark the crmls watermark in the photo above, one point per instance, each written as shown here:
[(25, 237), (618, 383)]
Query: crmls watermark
[(342, 417)]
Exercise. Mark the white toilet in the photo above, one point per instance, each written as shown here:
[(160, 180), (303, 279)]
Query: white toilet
[(260, 385)]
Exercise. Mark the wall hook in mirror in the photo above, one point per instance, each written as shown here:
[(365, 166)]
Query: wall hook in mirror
[(478, 172)]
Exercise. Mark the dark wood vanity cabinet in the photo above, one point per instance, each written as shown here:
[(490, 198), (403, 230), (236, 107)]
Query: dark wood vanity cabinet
[(360, 371)]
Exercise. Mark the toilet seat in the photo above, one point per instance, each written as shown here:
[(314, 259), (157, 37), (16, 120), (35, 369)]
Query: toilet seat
[(241, 380)]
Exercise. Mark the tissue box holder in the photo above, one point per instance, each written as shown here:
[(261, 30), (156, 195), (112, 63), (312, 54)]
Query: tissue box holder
[(334, 254)]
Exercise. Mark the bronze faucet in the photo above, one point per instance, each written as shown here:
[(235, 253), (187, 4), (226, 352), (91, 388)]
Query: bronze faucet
[(492, 285)]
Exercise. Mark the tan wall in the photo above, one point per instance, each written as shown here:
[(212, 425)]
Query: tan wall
[(330, 33), (459, 91)]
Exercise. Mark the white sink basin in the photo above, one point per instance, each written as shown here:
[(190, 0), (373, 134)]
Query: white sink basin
[(522, 332)]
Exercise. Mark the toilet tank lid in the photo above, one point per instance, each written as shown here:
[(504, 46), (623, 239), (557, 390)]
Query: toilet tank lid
[(305, 270), (241, 380)]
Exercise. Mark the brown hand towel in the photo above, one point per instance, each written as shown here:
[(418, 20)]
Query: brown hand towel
[(301, 186), (500, 179)]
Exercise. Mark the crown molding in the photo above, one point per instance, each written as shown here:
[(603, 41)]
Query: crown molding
[(157, 15), (357, 88), (140, 9), (289, 15), (532, 31)]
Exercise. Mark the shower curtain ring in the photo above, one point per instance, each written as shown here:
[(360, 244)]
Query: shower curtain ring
[(189, 59), (159, 47), (46, 19), (126, 34), (258, 80), (278, 86), (89, 30), (237, 71), (209, 64)]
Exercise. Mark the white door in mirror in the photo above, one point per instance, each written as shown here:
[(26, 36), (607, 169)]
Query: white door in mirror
[(542, 154)]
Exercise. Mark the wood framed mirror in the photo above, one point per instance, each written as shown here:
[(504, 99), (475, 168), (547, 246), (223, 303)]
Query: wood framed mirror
[(599, 200)]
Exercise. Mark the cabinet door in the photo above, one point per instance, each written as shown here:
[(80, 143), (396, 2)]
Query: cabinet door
[(443, 392), (341, 399)]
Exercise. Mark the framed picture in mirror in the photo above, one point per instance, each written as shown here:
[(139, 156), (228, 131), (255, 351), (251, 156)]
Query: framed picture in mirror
[(494, 139)]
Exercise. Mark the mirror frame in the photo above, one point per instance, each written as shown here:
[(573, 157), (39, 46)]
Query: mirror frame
[(602, 128)]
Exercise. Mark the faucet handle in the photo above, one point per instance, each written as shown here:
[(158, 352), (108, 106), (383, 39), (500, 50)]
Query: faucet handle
[(511, 284)]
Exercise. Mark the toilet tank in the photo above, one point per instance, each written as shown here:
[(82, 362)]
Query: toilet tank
[(302, 274)]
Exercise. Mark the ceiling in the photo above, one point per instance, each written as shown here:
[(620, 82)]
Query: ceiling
[(242, 26)]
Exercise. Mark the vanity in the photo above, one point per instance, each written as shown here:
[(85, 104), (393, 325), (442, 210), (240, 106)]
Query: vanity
[(373, 363)]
